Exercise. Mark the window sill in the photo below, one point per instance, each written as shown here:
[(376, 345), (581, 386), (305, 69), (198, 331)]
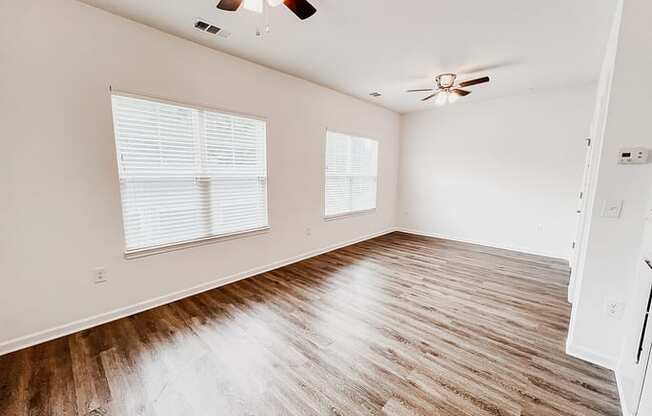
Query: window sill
[(349, 214), (151, 251)]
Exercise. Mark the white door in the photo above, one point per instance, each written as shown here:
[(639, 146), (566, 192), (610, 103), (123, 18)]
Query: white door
[(582, 203)]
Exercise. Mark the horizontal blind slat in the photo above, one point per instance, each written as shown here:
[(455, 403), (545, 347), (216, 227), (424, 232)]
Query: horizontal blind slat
[(186, 173), (351, 174)]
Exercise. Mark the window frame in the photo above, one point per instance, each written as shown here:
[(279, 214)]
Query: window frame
[(343, 215), (181, 245)]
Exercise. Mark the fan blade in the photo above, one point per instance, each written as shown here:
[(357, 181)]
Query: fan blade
[(461, 93), (229, 5), (474, 82), (478, 69), (301, 8), (430, 96), (421, 90)]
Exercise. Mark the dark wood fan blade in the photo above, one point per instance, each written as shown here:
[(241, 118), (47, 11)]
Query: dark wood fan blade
[(430, 96), (229, 5), (301, 8), (474, 82), (421, 90), (461, 93)]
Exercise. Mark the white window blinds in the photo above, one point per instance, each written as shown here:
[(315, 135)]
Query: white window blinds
[(351, 174), (187, 174)]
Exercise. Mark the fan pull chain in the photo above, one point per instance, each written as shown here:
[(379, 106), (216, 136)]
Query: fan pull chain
[(267, 28)]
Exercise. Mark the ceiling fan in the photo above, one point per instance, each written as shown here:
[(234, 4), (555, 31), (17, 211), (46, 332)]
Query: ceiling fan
[(301, 8), (447, 91)]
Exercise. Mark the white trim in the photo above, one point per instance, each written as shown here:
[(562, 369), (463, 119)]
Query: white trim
[(201, 107), (349, 214), (621, 397), (587, 354), (76, 326), (166, 248), (182, 245), (598, 130), (484, 243), (323, 177), (344, 132)]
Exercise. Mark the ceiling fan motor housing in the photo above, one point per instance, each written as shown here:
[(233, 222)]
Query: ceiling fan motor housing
[(445, 81)]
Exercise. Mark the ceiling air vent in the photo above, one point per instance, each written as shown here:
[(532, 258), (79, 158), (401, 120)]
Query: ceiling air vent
[(201, 25), (212, 29)]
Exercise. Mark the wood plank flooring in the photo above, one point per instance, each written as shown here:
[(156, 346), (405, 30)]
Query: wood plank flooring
[(399, 325)]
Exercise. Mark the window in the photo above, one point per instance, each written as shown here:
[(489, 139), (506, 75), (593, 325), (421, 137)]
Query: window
[(187, 174), (351, 174)]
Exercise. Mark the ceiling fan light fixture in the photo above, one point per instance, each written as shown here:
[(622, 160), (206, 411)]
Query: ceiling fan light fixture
[(442, 98), (253, 5), (446, 88), (257, 5), (301, 8), (452, 98), (445, 80)]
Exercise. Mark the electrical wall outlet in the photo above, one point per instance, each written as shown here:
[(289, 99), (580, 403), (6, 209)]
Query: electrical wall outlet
[(99, 275), (614, 309), (308, 231), (633, 156)]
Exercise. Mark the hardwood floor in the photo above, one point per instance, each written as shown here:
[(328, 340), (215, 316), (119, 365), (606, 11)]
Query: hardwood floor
[(399, 325)]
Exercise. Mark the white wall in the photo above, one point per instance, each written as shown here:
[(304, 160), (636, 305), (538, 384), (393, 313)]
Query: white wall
[(60, 212), (503, 172), (613, 244)]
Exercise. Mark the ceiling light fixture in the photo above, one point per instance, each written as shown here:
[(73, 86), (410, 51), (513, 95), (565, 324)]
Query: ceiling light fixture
[(445, 80), (253, 5), (442, 98), (446, 90), (257, 5), (301, 8)]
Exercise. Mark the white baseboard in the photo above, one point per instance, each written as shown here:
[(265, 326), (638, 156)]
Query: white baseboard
[(485, 243), (76, 326), (586, 354)]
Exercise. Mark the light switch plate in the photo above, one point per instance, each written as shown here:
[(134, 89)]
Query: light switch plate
[(612, 208)]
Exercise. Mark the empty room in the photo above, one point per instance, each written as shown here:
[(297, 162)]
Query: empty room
[(325, 207)]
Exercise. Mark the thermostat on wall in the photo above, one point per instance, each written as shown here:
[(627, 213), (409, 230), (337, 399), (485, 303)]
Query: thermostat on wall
[(632, 156)]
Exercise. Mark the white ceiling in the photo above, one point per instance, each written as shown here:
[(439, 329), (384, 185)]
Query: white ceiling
[(360, 46)]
